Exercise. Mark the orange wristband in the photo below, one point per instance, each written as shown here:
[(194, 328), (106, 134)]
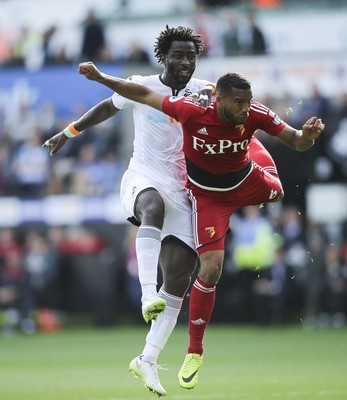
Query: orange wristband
[(71, 131)]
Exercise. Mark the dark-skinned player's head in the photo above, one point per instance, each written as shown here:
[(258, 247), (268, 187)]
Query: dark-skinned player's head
[(169, 35), (233, 100)]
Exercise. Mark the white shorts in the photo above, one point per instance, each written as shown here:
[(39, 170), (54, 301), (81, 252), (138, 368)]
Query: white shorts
[(177, 219)]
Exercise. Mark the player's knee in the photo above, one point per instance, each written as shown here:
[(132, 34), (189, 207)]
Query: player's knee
[(155, 210), (210, 269), (276, 196), (281, 195), (151, 208), (211, 275), (177, 287)]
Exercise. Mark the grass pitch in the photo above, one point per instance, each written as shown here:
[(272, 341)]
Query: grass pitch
[(240, 363)]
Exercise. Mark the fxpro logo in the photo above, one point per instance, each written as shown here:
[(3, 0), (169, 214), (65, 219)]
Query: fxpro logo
[(219, 147)]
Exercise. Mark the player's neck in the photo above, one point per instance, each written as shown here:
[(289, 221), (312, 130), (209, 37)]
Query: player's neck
[(167, 80)]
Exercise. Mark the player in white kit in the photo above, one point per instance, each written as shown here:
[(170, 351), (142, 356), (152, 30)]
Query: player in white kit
[(152, 192)]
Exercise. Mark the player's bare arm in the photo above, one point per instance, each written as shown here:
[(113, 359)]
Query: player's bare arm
[(302, 140), (130, 90)]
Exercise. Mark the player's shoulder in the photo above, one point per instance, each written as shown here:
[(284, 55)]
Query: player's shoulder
[(259, 108), (144, 79), (187, 105), (260, 112)]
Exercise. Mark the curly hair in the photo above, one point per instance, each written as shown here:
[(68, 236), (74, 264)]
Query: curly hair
[(230, 81), (167, 36)]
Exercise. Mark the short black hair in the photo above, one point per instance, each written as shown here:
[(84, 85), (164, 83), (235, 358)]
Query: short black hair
[(232, 80), (167, 36)]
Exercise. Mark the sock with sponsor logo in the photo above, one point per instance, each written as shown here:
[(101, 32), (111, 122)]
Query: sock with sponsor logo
[(201, 303)]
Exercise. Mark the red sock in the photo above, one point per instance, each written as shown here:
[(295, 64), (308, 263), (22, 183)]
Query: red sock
[(201, 303)]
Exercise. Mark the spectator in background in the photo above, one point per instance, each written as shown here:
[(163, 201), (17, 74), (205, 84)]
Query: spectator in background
[(316, 103), (31, 166), (243, 36), (16, 297), (113, 168), (137, 54), (18, 47), (58, 182), (95, 175), (253, 248), (316, 240), (255, 40), (334, 289), (321, 168), (48, 57), (272, 290), (8, 242), (41, 265), (27, 48), (5, 48), (230, 39), (335, 146), (204, 24), (93, 38), (48, 118), (5, 170), (291, 227), (20, 118)]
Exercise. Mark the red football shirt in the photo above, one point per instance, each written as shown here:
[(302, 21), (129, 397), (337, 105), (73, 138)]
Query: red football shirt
[(216, 153)]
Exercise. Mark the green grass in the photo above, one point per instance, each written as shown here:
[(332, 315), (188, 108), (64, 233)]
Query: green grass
[(240, 363)]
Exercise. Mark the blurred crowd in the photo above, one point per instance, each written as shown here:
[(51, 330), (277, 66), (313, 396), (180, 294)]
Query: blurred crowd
[(33, 49), (91, 165), (281, 266), (279, 269), (233, 34), (47, 273), (229, 28)]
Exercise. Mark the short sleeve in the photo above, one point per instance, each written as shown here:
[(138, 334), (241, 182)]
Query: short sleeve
[(172, 106)]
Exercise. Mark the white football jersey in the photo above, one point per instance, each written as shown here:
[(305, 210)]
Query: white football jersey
[(157, 147)]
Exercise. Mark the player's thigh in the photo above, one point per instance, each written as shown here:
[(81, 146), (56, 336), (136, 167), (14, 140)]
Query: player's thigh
[(132, 186), (178, 220), (211, 218), (259, 187)]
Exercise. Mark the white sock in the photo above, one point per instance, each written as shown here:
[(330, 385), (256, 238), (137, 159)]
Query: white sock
[(148, 245), (162, 328)]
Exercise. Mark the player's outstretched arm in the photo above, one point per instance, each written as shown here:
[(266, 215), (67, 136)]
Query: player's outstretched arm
[(302, 140), (130, 90)]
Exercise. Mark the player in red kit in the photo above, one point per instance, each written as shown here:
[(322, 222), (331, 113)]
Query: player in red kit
[(221, 176)]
